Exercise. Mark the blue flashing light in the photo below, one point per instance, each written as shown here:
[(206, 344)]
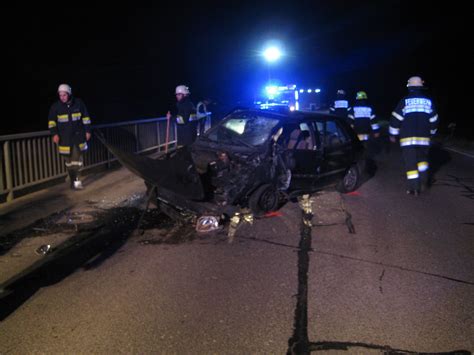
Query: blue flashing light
[(317, 91), (271, 90)]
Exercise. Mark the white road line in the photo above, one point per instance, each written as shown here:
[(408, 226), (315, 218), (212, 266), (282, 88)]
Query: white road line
[(459, 152)]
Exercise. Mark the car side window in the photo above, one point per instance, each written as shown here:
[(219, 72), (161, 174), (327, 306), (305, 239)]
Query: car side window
[(298, 137), (333, 134)]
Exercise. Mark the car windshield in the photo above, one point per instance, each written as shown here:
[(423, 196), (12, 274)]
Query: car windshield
[(243, 129)]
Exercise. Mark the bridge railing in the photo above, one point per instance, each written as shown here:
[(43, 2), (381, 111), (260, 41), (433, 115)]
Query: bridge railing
[(30, 160)]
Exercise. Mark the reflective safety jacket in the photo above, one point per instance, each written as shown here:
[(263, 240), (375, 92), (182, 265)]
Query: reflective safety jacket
[(415, 118), (340, 107), (186, 111), (363, 118), (70, 121)]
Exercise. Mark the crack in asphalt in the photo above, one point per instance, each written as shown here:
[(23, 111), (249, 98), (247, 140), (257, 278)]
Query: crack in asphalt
[(380, 279), (386, 350), (458, 182), (299, 342), (394, 267)]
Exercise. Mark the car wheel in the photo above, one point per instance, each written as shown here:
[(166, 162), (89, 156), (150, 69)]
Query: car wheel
[(350, 181), (263, 200)]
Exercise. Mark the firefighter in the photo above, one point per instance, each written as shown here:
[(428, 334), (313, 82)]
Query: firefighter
[(362, 118), (414, 121), (186, 118), (340, 107), (69, 124)]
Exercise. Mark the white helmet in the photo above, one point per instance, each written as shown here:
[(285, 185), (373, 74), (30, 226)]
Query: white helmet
[(415, 81), (65, 88), (182, 89)]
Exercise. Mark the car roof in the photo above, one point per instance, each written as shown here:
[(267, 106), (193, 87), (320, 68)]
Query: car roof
[(291, 117)]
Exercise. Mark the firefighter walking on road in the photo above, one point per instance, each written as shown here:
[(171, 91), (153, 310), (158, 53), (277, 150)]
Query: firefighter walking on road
[(415, 121), (186, 119), (340, 106), (362, 118), (69, 124)]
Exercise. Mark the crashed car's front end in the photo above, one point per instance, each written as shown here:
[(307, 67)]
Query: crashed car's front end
[(234, 166)]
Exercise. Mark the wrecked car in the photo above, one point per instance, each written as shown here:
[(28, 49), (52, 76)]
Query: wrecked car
[(254, 160)]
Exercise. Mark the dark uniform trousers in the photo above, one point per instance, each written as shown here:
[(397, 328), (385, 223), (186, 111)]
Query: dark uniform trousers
[(416, 165), (74, 162)]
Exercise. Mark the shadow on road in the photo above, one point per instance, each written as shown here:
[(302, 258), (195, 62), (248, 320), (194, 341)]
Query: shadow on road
[(437, 158), (89, 247)]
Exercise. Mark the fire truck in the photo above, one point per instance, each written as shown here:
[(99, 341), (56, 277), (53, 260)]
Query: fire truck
[(290, 97)]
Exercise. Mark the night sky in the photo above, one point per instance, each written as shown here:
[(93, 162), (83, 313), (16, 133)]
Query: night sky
[(124, 62)]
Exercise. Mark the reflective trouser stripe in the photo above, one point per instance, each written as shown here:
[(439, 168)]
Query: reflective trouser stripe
[(422, 166), (74, 163), (412, 174), (51, 124), (394, 131), (363, 137)]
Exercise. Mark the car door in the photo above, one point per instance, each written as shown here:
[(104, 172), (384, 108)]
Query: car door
[(303, 147), (336, 147)]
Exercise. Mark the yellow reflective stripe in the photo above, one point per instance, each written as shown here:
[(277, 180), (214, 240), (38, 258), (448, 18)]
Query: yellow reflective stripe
[(77, 114), (63, 118), (83, 146), (180, 119), (51, 124), (412, 174), (421, 139), (363, 137), (86, 120), (414, 141), (64, 149)]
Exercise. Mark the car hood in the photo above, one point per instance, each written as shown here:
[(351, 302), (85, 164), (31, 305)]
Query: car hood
[(176, 172)]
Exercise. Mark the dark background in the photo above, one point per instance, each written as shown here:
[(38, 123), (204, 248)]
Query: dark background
[(125, 61)]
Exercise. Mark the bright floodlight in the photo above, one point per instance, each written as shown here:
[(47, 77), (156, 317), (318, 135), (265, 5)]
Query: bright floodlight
[(272, 54)]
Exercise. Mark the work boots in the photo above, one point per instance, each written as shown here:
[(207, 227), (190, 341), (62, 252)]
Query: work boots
[(76, 184)]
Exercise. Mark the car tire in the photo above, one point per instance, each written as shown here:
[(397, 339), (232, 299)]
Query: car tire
[(264, 199), (351, 180)]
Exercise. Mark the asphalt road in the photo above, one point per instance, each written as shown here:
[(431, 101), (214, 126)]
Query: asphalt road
[(378, 271)]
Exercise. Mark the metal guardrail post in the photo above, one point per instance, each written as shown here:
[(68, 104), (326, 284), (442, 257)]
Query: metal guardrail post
[(158, 138), (108, 151), (8, 170), (137, 146)]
